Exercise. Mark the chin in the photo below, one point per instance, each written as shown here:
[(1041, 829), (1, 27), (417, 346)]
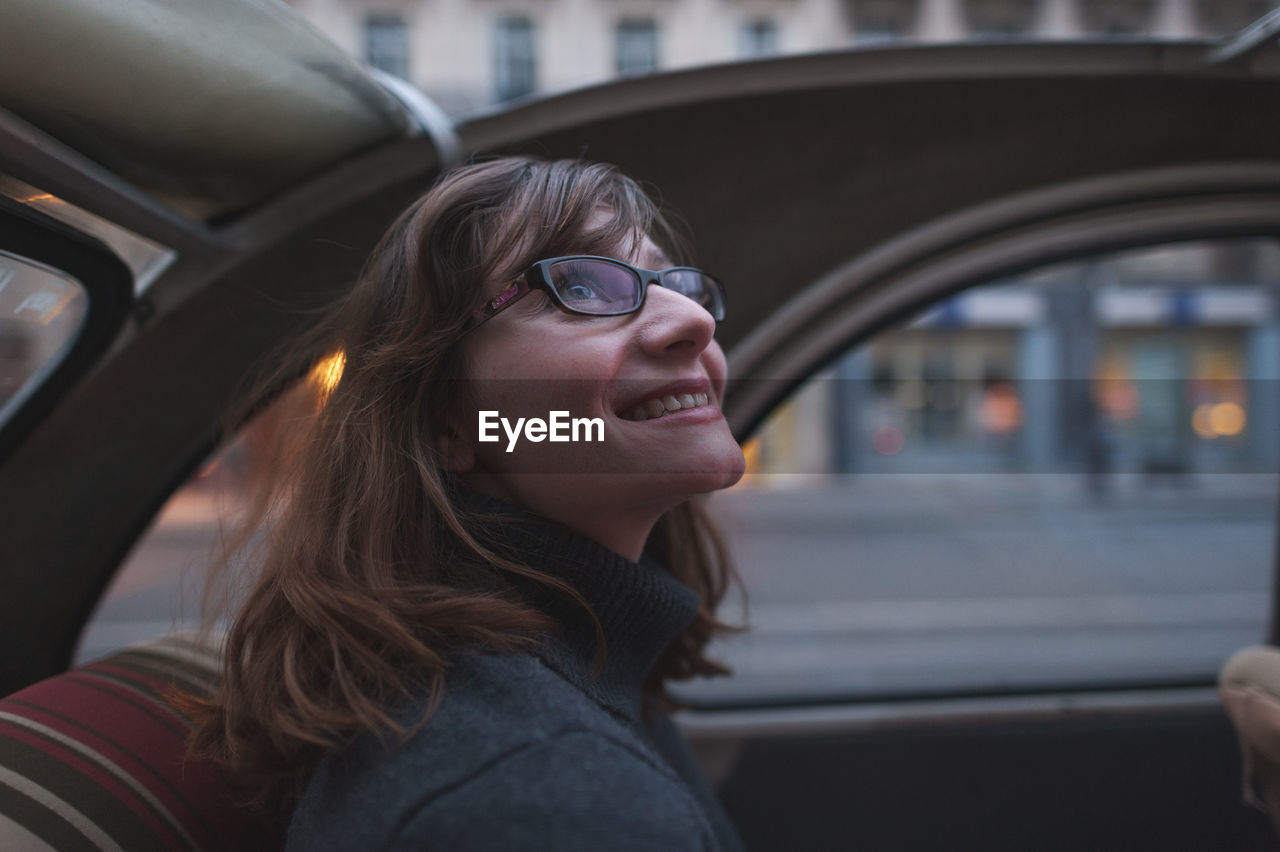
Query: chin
[(712, 477)]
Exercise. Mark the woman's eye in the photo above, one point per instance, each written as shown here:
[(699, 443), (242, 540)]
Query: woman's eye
[(578, 291)]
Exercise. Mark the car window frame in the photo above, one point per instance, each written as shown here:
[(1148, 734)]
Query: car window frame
[(891, 284)]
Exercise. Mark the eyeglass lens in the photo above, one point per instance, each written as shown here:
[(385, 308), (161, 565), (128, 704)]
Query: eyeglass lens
[(594, 287), (698, 287), (597, 287)]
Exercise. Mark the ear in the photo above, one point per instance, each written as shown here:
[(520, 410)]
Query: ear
[(456, 451)]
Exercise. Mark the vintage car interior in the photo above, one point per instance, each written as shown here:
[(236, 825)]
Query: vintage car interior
[(184, 195)]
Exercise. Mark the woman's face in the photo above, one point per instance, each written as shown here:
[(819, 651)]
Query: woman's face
[(533, 359)]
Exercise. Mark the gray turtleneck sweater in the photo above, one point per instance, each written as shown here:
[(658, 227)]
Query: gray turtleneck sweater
[(532, 751)]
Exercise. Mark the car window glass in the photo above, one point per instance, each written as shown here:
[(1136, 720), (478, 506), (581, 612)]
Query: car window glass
[(160, 588), (41, 312), (1062, 479)]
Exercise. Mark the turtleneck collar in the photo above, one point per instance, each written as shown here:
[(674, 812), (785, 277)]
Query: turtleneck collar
[(640, 606)]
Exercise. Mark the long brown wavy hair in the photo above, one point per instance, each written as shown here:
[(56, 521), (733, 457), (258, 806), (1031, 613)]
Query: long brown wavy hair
[(353, 605)]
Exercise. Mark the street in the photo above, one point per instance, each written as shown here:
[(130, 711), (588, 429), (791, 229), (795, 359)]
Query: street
[(902, 585), (905, 585)]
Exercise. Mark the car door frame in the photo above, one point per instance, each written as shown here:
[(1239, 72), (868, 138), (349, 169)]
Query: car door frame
[(1145, 723)]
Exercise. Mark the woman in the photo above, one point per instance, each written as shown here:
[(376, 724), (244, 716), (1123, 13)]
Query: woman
[(461, 643)]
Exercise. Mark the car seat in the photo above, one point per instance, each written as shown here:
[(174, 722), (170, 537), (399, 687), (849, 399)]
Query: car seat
[(95, 759)]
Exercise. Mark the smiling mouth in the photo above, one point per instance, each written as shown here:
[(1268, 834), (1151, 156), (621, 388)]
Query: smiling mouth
[(651, 409)]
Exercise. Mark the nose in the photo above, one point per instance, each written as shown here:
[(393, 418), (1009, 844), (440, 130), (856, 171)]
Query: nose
[(671, 323)]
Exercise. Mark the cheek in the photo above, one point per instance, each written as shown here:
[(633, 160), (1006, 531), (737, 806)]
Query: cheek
[(717, 367), (541, 383)]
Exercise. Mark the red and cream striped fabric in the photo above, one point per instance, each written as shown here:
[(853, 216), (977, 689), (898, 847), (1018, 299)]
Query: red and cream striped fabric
[(94, 759)]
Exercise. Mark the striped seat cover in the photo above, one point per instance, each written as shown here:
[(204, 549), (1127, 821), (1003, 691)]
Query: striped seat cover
[(94, 759)]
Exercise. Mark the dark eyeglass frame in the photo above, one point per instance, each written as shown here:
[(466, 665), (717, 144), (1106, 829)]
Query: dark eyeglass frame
[(538, 277)]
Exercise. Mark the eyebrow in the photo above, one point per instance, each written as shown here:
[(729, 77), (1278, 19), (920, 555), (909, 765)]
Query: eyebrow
[(659, 260)]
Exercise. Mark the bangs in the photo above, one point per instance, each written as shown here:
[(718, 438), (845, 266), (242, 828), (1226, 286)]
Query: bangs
[(554, 212)]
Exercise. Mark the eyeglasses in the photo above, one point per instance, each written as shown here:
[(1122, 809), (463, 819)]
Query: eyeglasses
[(604, 287)]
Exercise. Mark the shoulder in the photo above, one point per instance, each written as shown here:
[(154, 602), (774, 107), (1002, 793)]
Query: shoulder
[(511, 740), (577, 790)]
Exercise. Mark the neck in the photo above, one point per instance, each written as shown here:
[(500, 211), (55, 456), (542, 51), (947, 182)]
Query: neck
[(622, 527), (638, 606)]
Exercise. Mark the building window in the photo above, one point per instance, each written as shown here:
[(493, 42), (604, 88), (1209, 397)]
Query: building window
[(516, 66), (879, 21), (758, 38), (386, 44), (1117, 17), (999, 18), (637, 46)]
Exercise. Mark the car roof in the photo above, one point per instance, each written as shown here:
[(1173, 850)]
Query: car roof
[(209, 108), (784, 170)]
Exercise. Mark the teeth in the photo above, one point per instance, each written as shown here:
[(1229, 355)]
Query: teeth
[(652, 409)]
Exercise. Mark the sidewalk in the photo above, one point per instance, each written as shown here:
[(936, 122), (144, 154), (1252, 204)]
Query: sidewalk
[(809, 499)]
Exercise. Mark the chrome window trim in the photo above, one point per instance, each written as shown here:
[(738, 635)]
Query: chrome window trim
[(428, 117), (706, 725), (146, 259), (1248, 42), (34, 159)]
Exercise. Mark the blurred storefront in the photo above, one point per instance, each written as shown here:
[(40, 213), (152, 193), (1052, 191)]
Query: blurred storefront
[(1154, 361)]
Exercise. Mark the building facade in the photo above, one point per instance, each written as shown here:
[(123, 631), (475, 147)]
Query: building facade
[(470, 54)]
